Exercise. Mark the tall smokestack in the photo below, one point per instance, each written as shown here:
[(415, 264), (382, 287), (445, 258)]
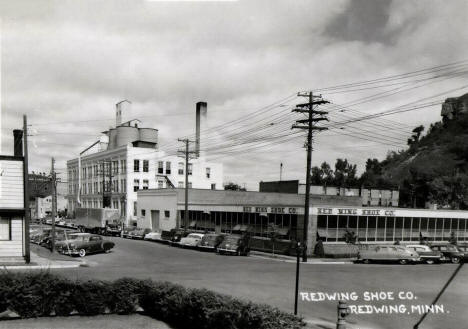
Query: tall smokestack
[(18, 143), (200, 122)]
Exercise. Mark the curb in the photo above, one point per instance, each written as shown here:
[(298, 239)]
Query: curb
[(311, 262)]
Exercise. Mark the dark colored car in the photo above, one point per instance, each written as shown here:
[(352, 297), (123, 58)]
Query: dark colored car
[(139, 233), (211, 241), (450, 252), (113, 230), (82, 244), (178, 234), (126, 231), (235, 244)]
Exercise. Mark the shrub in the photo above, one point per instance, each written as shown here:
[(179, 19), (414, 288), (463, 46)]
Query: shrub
[(91, 297), (30, 295), (40, 294)]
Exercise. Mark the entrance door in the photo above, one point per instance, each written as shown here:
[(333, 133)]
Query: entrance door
[(155, 220)]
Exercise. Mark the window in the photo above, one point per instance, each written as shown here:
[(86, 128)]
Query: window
[(135, 206), (145, 184), (136, 185), (168, 167), (160, 167), (208, 172), (160, 183), (123, 185), (116, 185), (167, 213), (213, 186), (145, 165), (181, 168), (143, 212), (181, 184), (115, 167), (190, 168), (136, 165), (123, 166), (5, 229)]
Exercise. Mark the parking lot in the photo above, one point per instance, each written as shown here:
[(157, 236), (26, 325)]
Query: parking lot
[(272, 281)]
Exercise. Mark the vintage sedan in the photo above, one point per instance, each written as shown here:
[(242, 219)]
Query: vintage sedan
[(426, 254), (388, 254), (153, 236), (126, 231), (450, 252), (211, 241), (191, 240), (234, 244), (82, 244), (139, 233)]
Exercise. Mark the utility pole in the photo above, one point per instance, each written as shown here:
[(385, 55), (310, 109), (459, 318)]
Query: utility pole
[(27, 213), (54, 203), (312, 117), (186, 153)]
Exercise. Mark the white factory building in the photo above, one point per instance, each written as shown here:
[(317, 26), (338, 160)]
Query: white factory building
[(126, 159)]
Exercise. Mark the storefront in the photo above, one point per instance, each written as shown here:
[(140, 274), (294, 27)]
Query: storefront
[(387, 225), (259, 213)]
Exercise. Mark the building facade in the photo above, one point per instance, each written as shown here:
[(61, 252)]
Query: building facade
[(126, 159), (14, 245), (233, 211), (374, 197)]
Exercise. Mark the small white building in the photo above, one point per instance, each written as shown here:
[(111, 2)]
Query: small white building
[(14, 247)]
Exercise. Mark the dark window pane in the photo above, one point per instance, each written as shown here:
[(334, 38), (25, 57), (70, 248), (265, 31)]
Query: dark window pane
[(322, 221), (352, 221), (342, 221)]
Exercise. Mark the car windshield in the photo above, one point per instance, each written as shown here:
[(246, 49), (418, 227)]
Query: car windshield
[(231, 239)]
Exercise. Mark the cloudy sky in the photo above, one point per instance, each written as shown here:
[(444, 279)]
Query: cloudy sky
[(66, 63)]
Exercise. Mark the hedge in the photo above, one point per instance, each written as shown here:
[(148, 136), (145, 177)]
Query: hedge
[(44, 294)]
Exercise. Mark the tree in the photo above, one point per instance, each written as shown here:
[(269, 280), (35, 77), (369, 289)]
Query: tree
[(417, 133), (345, 173), (350, 238), (234, 187)]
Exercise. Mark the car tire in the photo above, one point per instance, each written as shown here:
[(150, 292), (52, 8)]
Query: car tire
[(430, 261), (403, 261), (82, 252), (455, 260)]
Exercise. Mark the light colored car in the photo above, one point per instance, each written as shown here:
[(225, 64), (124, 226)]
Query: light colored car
[(153, 236), (426, 253), (388, 253), (191, 240)]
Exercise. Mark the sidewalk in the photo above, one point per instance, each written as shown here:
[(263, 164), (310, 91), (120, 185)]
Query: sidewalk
[(42, 259), (293, 259)]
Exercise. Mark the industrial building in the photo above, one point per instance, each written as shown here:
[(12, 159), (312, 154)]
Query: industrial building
[(330, 217), (375, 197), (14, 245), (126, 159)]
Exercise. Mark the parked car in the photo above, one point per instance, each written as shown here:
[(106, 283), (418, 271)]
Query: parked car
[(177, 235), (82, 244), (450, 252), (191, 240), (126, 231), (60, 235), (211, 241), (426, 253), (114, 229), (138, 233), (153, 236), (61, 222), (388, 254), (234, 244)]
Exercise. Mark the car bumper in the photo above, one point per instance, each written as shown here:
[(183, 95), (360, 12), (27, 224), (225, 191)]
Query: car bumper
[(230, 251), (206, 247)]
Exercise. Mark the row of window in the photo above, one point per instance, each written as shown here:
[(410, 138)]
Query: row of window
[(97, 187), (104, 168), (371, 228)]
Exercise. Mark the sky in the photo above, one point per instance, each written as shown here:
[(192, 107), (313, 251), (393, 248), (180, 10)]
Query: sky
[(65, 64)]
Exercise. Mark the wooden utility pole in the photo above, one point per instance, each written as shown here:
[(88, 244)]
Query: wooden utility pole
[(308, 124), (54, 203), (186, 153), (27, 213)]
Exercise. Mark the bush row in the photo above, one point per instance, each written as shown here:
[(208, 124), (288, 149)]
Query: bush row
[(44, 294)]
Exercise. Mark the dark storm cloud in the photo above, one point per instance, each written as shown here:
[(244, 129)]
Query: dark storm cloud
[(363, 20)]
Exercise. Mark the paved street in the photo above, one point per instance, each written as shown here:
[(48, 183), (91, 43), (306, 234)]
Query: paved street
[(272, 282)]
